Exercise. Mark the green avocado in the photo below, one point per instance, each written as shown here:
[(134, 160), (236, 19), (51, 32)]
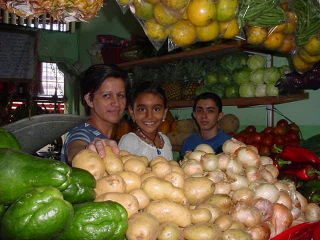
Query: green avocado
[(8, 140), (21, 172), (37, 215)]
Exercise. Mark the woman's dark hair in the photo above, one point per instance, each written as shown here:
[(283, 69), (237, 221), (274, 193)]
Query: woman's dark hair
[(94, 76), (208, 95), (147, 87)]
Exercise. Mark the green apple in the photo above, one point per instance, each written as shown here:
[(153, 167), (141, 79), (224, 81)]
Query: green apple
[(211, 79)]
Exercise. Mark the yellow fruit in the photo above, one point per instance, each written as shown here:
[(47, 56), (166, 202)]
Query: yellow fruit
[(292, 22), (305, 56), (155, 31), (279, 28), (143, 9), (183, 33), (124, 2), (288, 44), (313, 45), (274, 40), (209, 32), (152, 1), (164, 16), (300, 65), (226, 10), (229, 29), (256, 35), (175, 4), (201, 12)]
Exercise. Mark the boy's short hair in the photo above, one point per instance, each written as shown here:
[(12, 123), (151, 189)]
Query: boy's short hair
[(208, 95)]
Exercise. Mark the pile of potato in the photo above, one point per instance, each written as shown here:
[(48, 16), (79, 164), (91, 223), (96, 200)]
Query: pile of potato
[(232, 195)]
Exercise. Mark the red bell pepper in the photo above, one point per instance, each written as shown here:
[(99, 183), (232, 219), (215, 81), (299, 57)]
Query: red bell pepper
[(302, 171), (297, 154)]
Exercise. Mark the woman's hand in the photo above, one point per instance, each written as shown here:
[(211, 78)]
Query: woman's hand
[(98, 146)]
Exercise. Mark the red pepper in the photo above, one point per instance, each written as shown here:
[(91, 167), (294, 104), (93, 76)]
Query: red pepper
[(280, 163), (297, 154), (302, 171)]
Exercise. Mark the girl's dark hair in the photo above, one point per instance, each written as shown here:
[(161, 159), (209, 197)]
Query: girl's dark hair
[(147, 87), (94, 76), (208, 95)]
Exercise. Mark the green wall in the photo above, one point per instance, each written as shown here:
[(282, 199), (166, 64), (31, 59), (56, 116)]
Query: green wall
[(112, 21)]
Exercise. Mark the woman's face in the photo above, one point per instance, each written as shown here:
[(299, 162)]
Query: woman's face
[(148, 112), (109, 101)]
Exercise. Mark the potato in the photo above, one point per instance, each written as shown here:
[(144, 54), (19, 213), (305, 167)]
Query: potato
[(176, 179), (198, 189), (90, 161), (124, 153), (142, 226), (214, 210), (170, 231), (147, 175), (202, 231), (169, 211), (192, 167), (110, 183), (142, 197), (157, 189), (235, 234), (222, 201), (161, 169), (128, 201), (112, 161), (132, 180), (135, 165), (200, 215), (157, 159), (174, 163), (224, 222), (177, 169)]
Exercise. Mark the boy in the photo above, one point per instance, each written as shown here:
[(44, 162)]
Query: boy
[(207, 111)]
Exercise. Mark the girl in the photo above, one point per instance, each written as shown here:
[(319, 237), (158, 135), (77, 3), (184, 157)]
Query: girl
[(103, 90), (148, 108)]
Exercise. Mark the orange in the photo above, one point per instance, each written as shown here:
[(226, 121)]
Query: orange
[(229, 29), (292, 22), (278, 28), (305, 56), (152, 1), (274, 40), (155, 31), (313, 45), (256, 35), (164, 16), (183, 33), (300, 65), (201, 12), (143, 10), (209, 32), (175, 4), (288, 44), (226, 10)]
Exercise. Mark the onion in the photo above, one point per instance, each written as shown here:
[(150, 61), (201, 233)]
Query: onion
[(205, 148), (282, 185), (209, 161), (265, 207), (216, 176), (302, 200), (264, 160), (272, 169), (252, 174), (224, 222), (247, 214), (296, 212), (231, 145), (285, 199), (281, 218), (260, 232), (253, 148), (223, 160), (266, 175), (192, 167), (240, 181), (243, 194), (267, 191), (312, 212), (237, 225), (196, 155), (222, 188), (234, 167), (248, 157)]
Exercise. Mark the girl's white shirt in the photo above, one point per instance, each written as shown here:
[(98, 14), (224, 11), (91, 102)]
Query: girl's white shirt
[(135, 145)]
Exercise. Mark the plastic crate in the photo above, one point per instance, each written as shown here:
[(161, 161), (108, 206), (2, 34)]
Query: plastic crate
[(304, 231)]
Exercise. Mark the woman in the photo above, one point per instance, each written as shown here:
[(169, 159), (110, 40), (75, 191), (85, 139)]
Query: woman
[(103, 92)]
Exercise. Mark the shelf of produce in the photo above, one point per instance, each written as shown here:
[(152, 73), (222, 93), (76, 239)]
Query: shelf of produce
[(245, 102), (213, 50)]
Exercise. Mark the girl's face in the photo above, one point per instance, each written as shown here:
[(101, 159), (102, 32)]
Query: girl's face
[(109, 101), (148, 112)]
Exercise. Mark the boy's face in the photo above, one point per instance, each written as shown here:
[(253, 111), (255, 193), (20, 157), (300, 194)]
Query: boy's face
[(207, 114)]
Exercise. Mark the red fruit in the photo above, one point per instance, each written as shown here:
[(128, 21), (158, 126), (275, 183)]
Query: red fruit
[(240, 138), (293, 136), (257, 145), (265, 150), (282, 123), (280, 130), (294, 127), (267, 140), (268, 130), (279, 140), (251, 129), (257, 137)]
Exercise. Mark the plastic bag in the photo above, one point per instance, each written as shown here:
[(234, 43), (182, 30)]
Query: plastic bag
[(124, 5)]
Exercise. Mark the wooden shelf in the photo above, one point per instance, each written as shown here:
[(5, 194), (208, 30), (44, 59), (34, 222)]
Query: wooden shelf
[(205, 51), (245, 102)]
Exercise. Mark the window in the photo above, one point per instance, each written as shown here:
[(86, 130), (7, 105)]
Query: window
[(52, 80)]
